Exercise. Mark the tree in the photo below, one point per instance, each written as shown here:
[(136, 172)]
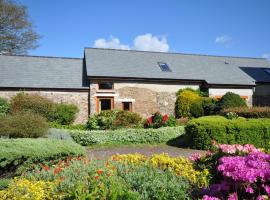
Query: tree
[(16, 30)]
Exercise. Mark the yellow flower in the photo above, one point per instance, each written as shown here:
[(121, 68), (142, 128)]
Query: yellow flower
[(24, 189)]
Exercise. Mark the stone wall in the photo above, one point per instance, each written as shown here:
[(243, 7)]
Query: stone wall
[(79, 99), (146, 98)]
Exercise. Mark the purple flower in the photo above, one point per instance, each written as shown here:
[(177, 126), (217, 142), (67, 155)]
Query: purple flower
[(206, 197), (249, 189)]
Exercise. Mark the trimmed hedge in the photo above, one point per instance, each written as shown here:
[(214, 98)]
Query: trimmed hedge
[(252, 112), (127, 136), (203, 131), (15, 152), (230, 100)]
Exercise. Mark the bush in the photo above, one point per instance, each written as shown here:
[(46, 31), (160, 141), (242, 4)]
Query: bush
[(203, 131), (184, 101), (196, 109), (18, 152), (152, 183), (4, 107), (127, 136), (209, 106), (252, 112), (230, 100), (70, 126), (158, 120), (65, 113), (34, 103), (23, 125), (114, 119)]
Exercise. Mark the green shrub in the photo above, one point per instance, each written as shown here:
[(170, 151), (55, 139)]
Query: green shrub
[(196, 109), (184, 101), (70, 126), (171, 122), (252, 112), (23, 125), (126, 119), (209, 106), (198, 91), (114, 119), (65, 113), (22, 152), (230, 100), (152, 183), (4, 107), (126, 136), (203, 131), (34, 103)]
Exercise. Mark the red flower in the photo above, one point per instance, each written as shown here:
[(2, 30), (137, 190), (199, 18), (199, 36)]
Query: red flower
[(46, 168), (57, 170), (100, 171), (165, 118), (96, 177), (149, 120)]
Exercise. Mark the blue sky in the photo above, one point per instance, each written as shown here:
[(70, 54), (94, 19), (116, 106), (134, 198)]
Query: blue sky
[(231, 27)]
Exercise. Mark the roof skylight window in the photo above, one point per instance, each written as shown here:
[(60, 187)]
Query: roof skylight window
[(267, 70), (164, 67)]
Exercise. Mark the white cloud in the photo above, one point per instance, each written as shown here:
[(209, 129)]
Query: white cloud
[(114, 43), (224, 40), (266, 55), (146, 42), (149, 42)]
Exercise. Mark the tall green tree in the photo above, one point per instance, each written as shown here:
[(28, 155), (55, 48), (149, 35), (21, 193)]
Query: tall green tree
[(17, 34)]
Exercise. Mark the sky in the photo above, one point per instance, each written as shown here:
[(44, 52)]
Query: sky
[(212, 27)]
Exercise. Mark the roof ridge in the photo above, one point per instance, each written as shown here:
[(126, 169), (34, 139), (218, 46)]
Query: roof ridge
[(34, 56), (177, 53)]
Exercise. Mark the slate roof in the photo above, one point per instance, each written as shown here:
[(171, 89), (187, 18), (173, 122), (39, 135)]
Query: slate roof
[(41, 72), (141, 64)]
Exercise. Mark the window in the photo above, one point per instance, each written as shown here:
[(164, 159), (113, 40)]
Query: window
[(105, 86), (127, 106), (104, 103), (267, 70), (164, 67)]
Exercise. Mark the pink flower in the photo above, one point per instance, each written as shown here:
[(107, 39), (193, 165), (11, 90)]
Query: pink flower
[(260, 198), (267, 188), (233, 196), (195, 157), (206, 197), (249, 189)]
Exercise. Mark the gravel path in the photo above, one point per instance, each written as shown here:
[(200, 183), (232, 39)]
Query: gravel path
[(104, 153)]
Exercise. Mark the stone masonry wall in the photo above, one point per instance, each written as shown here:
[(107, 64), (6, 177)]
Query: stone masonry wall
[(146, 98), (79, 99)]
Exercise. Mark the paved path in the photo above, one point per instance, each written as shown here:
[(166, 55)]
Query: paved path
[(104, 153)]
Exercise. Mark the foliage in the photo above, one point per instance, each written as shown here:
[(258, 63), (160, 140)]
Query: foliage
[(158, 120), (4, 106), (127, 136), (196, 109), (22, 153), (81, 179), (209, 106), (60, 134), (35, 103), (238, 172), (204, 130), (180, 166), (113, 119), (4, 182), (152, 183), (17, 34), (198, 91), (25, 189), (70, 126), (231, 115), (65, 113), (23, 125), (184, 101), (249, 112), (230, 100)]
